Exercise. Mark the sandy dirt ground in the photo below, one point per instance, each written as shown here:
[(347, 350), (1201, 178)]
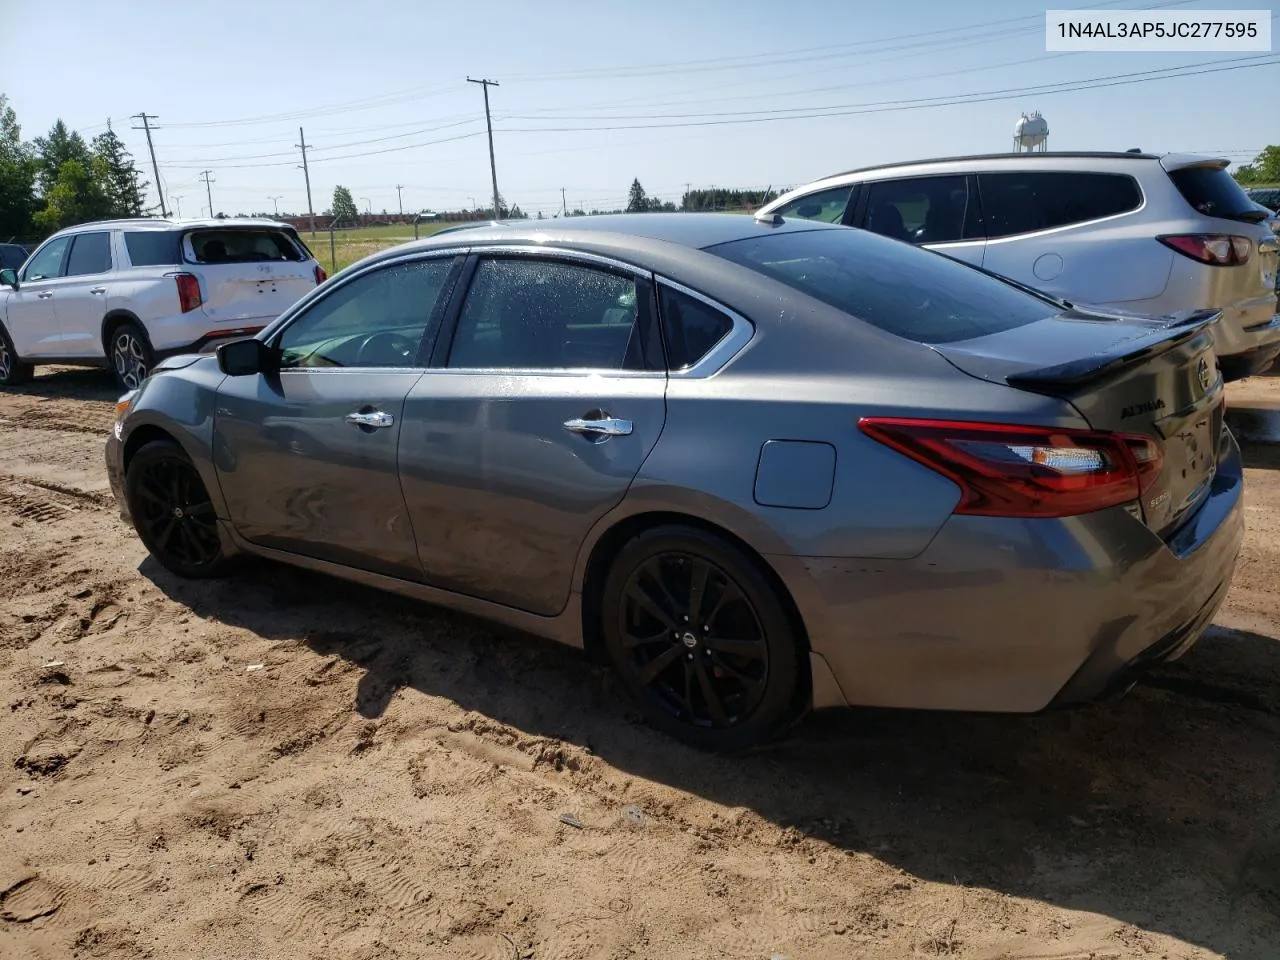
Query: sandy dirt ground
[(284, 766)]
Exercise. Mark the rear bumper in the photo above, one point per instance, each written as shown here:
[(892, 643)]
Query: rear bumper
[(1248, 364), (210, 341), (1015, 616)]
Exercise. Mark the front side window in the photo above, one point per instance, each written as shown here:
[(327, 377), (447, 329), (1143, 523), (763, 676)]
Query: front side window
[(526, 314), (827, 206), (48, 261), (378, 319), (91, 253), (922, 209), (1025, 202)]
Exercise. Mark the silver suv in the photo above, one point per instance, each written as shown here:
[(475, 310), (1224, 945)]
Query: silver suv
[(1132, 232), (126, 293)]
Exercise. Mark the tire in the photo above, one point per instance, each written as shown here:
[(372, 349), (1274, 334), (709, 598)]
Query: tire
[(130, 355), (13, 372), (173, 513), (683, 674)]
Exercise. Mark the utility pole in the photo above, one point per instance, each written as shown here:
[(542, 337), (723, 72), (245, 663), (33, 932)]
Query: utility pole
[(564, 207), (155, 167), (208, 178), (177, 202), (399, 198), (493, 167), (306, 173), (276, 201)]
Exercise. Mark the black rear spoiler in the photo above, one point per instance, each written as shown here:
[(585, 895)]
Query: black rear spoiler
[(1179, 328)]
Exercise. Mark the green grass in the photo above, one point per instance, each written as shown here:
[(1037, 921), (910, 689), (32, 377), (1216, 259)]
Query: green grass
[(350, 246)]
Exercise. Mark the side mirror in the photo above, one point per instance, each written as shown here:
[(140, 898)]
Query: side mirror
[(243, 358), (9, 278)]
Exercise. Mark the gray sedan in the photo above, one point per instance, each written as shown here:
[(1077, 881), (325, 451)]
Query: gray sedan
[(758, 466)]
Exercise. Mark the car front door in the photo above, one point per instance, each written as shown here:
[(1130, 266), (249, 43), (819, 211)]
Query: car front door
[(547, 393), (29, 311), (941, 213), (80, 297), (306, 455)]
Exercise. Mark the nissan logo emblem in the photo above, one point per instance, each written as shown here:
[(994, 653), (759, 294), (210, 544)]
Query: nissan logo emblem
[(1203, 372)]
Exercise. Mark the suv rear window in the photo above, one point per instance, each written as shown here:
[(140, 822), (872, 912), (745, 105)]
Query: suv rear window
[(1214, 192), (243, 245), (153, 248), (904, 290), (1024, 202)]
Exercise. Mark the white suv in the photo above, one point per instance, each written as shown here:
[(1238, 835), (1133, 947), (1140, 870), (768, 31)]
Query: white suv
[(126, 293), (1131, 231)]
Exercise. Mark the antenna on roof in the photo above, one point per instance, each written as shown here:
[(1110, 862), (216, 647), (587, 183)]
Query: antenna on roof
[(1134, 150)]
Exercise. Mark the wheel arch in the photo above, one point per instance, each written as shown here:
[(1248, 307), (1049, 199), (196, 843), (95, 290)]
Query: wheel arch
[(140, 437), (115, 318), (610, 541)]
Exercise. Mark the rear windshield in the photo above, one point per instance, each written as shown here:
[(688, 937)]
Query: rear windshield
[(243, 245), (153, 248), (907, 291), (1214, 192)]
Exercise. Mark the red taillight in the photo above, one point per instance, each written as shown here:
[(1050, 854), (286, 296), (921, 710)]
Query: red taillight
[(321, 276), (1218, 250), (1018, 471), (188, 291)]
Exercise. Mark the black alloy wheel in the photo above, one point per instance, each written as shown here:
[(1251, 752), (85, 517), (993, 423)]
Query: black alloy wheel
[(700, 638), (13, 371), (172, 511)]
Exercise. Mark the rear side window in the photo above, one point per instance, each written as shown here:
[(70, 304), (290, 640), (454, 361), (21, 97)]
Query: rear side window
[(1213, 192), (153, 248), (923, 210), (91, 253), (1025, 202), (906, 291), (243, 245), (692, 327)]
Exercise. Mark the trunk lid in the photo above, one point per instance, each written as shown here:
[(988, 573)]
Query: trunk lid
[(248, 273), (1125, 374)]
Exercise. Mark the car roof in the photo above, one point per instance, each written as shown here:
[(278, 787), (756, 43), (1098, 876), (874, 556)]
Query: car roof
[(1041, 157), (170, 223), (695, 230)]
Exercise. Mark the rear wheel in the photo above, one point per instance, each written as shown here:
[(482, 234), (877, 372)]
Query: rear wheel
[(700, 638), (12, 370), (131, 355), (172, 511)]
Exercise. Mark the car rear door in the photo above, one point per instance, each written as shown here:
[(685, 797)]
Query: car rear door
[(938, 212), (306, 456), (247, 273), (547, 394), (80, 299)]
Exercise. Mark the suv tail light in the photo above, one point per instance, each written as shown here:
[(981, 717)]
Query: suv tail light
[(321, 276), (1219, 250), (1016, 471), (188, 291)]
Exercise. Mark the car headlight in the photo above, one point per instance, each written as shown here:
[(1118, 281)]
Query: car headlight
[(123, 406)]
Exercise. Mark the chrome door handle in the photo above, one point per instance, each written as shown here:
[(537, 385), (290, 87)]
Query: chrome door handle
[(604, 427), (98, 290), (375, 419), (45, 295)]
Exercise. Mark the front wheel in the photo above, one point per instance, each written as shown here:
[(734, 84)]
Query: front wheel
[(131, 355), (13, 372), (700, 638), (172, 511)]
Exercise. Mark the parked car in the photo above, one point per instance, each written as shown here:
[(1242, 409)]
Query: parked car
[(1269, 197), (125, 293), (1129, 231), (757, 465), (12, 255)]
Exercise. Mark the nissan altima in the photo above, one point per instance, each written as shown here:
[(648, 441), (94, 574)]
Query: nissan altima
[(757, 465)]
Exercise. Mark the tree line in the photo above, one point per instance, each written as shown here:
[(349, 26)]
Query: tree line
[(61, 179), (715, 198), (1264, 168)]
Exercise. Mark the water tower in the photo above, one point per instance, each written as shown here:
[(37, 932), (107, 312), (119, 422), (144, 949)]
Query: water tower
[(1031, 134)]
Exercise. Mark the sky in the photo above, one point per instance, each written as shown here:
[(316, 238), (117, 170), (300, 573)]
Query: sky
[(593, 95)]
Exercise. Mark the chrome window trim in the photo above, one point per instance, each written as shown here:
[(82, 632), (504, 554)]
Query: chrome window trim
[(553, 252), (726, 348)]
